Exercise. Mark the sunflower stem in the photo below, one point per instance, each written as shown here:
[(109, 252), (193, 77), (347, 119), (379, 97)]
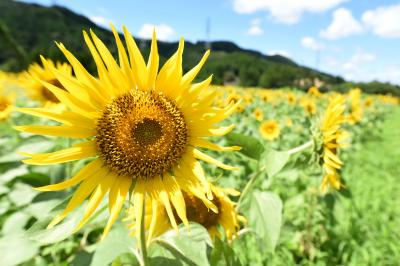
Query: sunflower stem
[(300, 148), (143, 247), (248, 186)]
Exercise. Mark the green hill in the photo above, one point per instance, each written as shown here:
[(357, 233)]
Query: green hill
[(27, 30)]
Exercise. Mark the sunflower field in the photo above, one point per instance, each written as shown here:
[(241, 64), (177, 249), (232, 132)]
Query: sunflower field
[(142, 164)]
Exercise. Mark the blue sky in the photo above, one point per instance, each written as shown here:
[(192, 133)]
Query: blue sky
[(357, 39)]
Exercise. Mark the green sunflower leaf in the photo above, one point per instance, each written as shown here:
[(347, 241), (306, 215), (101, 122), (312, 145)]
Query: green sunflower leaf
[(188, 247), (250, 146), (118, 242), (16, 249), (265, 217), (275, 161), (223, 254)]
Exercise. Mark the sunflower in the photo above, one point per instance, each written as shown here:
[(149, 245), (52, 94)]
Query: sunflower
[(5, 106), (332, 139), (314, 91), (156, 218), (309, 106), (289, 122), (142, 127), (369, 101), (38, 74), (233, 98), (239, 108), (269, 130), (6, 99), (248, 98), (291, 98), (258, 114), (356, 108)]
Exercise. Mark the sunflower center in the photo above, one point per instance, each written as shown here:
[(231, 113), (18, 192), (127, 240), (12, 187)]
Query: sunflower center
[(269, 129), (197, 212), (141, 134), (48, 95), (147, 132), (3, 105)]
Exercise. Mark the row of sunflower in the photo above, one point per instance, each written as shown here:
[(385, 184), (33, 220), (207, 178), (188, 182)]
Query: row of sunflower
[(149, 140)]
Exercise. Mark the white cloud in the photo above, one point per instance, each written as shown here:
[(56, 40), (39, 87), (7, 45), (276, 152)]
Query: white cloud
[(279, 52), (284, 11), (363, 67), (343, 25), (358, 60), (311, 43), (391, 74), (255, 28), (330, 61), (100, 20), (164, 32), (384, 21)]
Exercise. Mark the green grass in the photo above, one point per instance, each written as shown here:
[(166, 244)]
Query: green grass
[(359, 225), (370, 222)]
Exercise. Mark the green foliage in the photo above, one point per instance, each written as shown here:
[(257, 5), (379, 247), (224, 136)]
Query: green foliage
[(250, 146), (118, 242), (186, 247), (265, 218), (275, 161), (16, 249)]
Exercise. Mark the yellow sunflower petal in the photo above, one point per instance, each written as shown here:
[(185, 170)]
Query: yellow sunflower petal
[(59, 131), (199, 142), (152, 65), (102, 188), (189, 76), (153, 221), (84, 190), (138, 203), (137, 61), (204, 157), (66, 117), (108, 88), (169, 77), (89, 170), (117, 196), (82, 75), (123, 57), (176, 196)]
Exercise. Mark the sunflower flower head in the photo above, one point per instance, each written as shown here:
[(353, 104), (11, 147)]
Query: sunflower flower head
[(369, 101), (356, 109), (239, 107), (258, 114), (314, 91), (6, 104), (269, 129), (289, 122), (309, 106), (48, 72), (227, 218), (329, 137), (265, 97), (291, 98), (142, 126), (248, 98), (233, 98)]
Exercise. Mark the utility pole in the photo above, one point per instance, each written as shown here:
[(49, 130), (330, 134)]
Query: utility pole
[(208, 30), (317, 58)]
